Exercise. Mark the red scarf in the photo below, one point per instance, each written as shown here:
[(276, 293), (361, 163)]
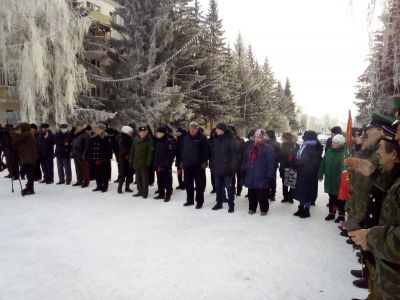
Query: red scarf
[(255, 151)]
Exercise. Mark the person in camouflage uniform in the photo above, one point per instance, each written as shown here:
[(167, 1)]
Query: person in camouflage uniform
[(383, 240)]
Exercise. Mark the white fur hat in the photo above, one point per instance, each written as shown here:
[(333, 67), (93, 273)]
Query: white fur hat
[(126, 129), (339, 139)]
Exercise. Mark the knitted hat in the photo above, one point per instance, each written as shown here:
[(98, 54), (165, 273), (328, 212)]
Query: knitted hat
[(287, 136), (101, 126), (222, 126), (193, 125), (339, 139), (126, 129)]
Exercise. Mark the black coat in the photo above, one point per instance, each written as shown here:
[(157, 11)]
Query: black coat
[(164, 152), (124, 150), (224, 155), (240, 147), (63, 142), (276, 148), (46, 146), (287, 156), (195, 150), (307, 173), (99, 149), (179, 143), (80, 144)]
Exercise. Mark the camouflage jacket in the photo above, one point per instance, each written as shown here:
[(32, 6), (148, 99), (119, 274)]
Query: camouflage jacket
[(360, 186), (384, 242)]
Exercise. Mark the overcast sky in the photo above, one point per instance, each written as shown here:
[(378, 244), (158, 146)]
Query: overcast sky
[(320, 45)]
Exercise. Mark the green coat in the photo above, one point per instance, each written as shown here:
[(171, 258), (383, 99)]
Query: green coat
[(384, 243), (331, 167), (360, 186), (142, 152)]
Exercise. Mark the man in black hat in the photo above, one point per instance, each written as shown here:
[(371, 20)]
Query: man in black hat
[(46, 153), (63, 141), (100, 154), (180, 135), (195, 155), (164, 158), (223, 157)]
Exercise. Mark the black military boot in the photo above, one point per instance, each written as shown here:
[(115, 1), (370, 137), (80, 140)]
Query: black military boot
[(120, 187), (361, 283), (231, 208), (330, 217), (217, 206), (305, 213), (299, 211)]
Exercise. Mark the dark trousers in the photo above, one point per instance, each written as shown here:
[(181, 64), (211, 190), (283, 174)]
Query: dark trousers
[(179, 172), (151, 175), (12, 165), (37, 170), (101, 175), (125, 172), (237, 181), (29, 171), (258, 196), (142, 181), (223, 183), (64, 169), (287, 191), (164, 182), (213, 180), (194, 175), (336, 204), (47, 169), (82, 171), (272, 189)]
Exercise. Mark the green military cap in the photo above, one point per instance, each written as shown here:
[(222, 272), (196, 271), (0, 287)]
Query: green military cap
[(378, 120), (389, 134)]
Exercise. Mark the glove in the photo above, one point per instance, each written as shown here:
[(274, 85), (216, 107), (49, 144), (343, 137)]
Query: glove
[(158, 170)]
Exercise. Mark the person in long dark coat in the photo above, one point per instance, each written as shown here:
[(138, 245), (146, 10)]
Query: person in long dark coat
[(180, 135), (211, 144), (80, 145), (99, 155), (38, 171), (124, 150), (10, 153), (63, 141), (258, 166), (286, 161), (46, 153), (307, 164), (276, 147)]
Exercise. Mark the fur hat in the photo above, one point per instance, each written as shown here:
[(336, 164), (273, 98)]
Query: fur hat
[(101, 126), (194, 125), (126, 129), (339, 139)]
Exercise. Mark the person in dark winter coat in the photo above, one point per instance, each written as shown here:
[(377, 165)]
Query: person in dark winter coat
[(10, 153), (63, 142), (334, 131), (46, 153), (141, 159), (38, 171), (258, 166), (331, 168), (99, 155), (25, 145), (195, 155), (80, 145), (286, 159), (240, 146), (307, 163), (223, 164), (276, 147), (152, 169), (211, 145), (163, 160), (113, 136), (124, 149), (180, 135)]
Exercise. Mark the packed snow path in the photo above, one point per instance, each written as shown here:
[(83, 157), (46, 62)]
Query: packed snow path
[(71, 243)]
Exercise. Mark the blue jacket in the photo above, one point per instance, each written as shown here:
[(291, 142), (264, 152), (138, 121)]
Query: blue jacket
[(258, 174)]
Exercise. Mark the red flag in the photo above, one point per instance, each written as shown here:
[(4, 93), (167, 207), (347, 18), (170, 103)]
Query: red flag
[(344, 188)]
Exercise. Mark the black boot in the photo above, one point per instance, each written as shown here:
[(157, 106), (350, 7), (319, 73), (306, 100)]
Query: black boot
[(330, 217), (285, 200), (357, 273), (361, 283), (159, 197), (167, 197), (26, 192), (231, 208), (217, 206), (127, 188), (340, 218), (299, 211), (120, 187), (305, 213)]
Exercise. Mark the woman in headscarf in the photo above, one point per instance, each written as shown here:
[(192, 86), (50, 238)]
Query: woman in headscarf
[(307, 163), (258, 165)]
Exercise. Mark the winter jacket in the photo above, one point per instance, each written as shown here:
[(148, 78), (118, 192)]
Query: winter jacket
[(383, 242), (179, 143), (100, 149), (287, 157), (331, 168), (63, 142), (223, 155), (240, 147), (307, 167), (124, 146), (164, 152), (46, 146), (258, 173), (25, 145), (80, 144), (142, 151), (195, 150), (276, 148)]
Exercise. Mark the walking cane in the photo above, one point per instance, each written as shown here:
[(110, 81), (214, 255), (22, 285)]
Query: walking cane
[(12, 185), (20, 183)]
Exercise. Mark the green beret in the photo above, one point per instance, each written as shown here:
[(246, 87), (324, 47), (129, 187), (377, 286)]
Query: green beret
[(379, 120)]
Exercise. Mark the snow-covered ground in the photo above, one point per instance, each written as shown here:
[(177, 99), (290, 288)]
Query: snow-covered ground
[(70, 243)]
